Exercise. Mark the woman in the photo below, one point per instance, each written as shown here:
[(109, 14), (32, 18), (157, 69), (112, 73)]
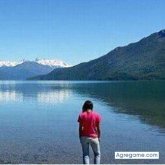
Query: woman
[(89, 132)]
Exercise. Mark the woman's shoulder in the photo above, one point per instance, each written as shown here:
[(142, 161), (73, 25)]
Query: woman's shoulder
[(95, 112), (81, 113)]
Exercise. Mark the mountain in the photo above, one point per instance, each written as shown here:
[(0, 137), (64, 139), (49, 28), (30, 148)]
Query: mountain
[(142, 60), (10, 70), (52, 63), (9, 63)]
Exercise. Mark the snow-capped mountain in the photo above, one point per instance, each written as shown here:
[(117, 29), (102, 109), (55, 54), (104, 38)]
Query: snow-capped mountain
[(9, 63), (12, 70), (52, 63)]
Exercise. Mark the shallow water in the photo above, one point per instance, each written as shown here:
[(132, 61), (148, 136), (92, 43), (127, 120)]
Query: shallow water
[(38, 120)]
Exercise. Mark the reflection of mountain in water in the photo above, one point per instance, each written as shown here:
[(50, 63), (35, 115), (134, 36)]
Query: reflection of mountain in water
[(43, 93), (53, 97), (143, 98), (10, 96)]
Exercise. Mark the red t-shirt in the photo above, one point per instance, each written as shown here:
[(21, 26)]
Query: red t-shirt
[(89, 121)]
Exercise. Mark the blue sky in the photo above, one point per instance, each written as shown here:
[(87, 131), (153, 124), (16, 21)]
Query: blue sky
[(74, 30)]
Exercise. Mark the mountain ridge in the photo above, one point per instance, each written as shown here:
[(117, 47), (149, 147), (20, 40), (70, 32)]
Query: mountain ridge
[(56, 63), (23, 70), (142, 60)]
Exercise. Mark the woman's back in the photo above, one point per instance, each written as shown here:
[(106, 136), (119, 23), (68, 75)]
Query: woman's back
[(89, 120)]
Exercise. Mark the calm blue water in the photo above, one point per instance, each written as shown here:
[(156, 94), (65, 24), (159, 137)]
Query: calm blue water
[(38, 120)]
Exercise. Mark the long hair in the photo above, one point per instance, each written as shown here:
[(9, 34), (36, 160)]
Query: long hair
[(87, 105)]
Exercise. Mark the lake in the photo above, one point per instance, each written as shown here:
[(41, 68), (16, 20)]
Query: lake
[(38, 119)]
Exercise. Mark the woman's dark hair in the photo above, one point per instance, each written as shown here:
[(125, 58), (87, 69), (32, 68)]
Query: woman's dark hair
[(87, 105)]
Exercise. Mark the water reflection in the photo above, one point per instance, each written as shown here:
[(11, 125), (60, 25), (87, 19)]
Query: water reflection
[(18, 92), (53, 97), (144, 99), (10, 96)]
